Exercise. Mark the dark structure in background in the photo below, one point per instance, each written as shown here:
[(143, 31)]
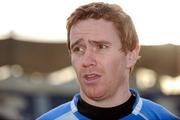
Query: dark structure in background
[(32, 56), (49, 57)]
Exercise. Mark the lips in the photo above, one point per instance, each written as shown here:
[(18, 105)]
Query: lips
[(91, 78)]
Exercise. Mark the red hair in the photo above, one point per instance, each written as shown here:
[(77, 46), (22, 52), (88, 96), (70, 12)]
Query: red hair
[(110, 12)]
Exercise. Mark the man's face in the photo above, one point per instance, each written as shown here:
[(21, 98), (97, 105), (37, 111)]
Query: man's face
[(101, 67)]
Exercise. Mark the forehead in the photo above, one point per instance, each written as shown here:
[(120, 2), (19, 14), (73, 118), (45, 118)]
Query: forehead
[(93, 29)]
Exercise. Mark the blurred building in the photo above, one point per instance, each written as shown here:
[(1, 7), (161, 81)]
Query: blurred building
[(35, 77)]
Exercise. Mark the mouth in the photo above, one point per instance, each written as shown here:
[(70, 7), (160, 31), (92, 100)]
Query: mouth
[(91, 78)]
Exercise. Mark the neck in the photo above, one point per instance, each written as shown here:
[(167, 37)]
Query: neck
[(118, 98)]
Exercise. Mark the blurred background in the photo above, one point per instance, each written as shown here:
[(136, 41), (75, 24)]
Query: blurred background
[(35, 69)]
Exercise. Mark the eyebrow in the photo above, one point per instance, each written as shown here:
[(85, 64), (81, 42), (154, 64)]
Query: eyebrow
[(99, 42), (93, 42), (76, 42)]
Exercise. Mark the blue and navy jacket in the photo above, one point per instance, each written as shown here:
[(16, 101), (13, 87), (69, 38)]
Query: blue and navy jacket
[(143, 109)]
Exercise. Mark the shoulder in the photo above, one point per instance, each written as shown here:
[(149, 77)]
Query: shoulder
[(156, 111), (56, 112)]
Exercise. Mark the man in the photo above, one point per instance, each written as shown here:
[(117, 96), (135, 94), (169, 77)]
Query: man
[(104, 48)]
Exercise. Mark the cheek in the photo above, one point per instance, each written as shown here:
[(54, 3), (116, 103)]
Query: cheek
[(115, 65), (76, 64), (74, 60)]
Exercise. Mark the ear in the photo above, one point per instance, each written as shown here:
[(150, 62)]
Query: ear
[(132, 57)]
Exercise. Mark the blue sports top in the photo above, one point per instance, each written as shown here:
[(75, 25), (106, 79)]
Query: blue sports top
[(143, 109)]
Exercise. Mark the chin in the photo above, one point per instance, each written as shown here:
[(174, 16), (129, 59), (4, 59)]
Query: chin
[(95, 95)]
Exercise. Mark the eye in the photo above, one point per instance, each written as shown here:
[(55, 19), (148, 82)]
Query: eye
[(102, 46), (78, 50)]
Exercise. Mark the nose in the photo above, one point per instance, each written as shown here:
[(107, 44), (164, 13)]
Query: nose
[(89, 59)]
